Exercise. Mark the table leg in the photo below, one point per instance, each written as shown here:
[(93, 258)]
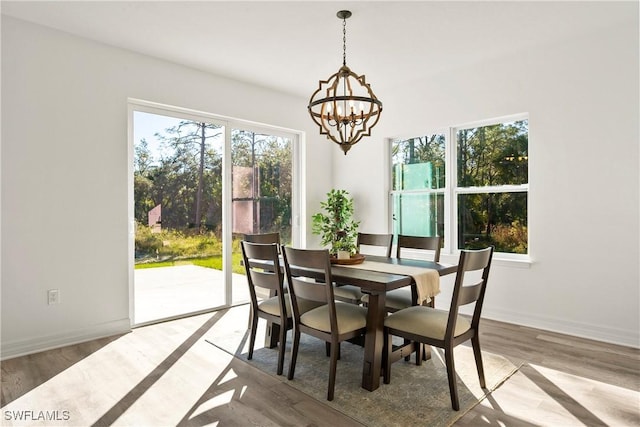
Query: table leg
[(373, 343), (273, 330), (272, 334)]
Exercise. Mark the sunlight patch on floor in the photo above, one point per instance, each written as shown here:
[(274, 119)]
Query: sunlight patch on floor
[(229, 376), (157, 378), (585, 402), (213, 403)]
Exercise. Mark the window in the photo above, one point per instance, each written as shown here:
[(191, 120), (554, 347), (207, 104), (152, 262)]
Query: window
[(473, 192), (419, 177)]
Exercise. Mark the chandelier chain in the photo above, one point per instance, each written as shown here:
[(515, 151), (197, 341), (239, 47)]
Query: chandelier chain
[(344, 41)]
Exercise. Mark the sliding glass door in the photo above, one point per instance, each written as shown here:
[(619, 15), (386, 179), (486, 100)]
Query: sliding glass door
[(198, 185)]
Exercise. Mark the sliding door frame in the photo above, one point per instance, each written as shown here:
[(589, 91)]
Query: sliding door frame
[(227, 167)]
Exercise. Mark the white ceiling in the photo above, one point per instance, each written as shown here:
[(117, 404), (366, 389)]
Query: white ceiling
[(290, 45)]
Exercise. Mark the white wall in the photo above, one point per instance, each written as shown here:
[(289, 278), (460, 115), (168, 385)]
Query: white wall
[(582, 100), (64, 174)]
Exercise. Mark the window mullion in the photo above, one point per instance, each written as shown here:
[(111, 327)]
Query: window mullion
[(493, 189), (451, 228)]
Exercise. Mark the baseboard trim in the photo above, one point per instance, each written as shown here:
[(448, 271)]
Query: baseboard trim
[(26, 346), (627, 338)]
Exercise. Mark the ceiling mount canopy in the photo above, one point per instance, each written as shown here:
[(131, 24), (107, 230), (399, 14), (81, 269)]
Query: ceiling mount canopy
[(344, 106)]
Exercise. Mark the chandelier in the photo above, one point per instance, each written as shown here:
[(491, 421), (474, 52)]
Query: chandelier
[(344, 106)]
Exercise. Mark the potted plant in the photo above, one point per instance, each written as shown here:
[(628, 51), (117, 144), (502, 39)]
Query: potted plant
[(336, 224)]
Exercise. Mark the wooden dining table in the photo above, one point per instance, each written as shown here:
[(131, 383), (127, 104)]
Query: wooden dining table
[(376, 284)]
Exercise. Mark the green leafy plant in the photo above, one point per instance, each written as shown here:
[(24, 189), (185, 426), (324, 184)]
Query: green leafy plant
[(336, 225)]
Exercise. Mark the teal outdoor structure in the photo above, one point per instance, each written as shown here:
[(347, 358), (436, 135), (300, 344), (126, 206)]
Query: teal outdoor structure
[(416, 176)]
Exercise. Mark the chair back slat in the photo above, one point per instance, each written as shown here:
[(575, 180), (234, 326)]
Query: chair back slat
[(305, 288), (264, 279), (258, 250), (262, 238), (431, 243), (378, 240), (469, 294)]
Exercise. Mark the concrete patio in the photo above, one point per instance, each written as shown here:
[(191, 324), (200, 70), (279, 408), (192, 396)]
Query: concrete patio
[(167, 292)]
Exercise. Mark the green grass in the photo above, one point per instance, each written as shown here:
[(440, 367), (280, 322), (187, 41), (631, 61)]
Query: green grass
[(208, 262)]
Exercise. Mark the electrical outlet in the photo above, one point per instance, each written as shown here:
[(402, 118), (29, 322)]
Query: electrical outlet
[(53, 296)]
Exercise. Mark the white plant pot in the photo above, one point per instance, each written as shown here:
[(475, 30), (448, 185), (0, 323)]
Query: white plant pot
[(344, 255)]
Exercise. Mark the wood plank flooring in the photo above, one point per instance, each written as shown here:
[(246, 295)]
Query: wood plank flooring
[(166, 374)]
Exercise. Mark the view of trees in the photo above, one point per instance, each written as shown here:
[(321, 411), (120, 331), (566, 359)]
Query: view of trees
[(184, 176), (186, 182), (488, 158), (493, 156)]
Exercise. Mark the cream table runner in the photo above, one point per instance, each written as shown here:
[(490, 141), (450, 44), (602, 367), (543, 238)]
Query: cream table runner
[(427, 280)]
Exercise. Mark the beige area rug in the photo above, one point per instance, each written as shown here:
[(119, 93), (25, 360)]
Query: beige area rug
[(417, 395)]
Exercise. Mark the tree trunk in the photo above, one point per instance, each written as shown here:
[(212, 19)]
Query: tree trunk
[(203, 141)]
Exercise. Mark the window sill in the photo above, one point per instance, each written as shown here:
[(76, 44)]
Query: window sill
[(501, 260)]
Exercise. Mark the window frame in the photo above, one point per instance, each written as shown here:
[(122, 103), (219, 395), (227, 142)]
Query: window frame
[(451, 189)]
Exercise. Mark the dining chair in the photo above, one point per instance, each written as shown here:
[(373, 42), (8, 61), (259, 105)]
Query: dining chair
[(441, 328), (408, 296), (366, 242), (309, 275), (274, 309)]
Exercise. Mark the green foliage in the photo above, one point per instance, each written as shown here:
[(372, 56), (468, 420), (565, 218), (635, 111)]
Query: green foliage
[(146, 242), (511, 238), (336, 225), (493, 155), (508, 238), (482, 215), (174, 244)]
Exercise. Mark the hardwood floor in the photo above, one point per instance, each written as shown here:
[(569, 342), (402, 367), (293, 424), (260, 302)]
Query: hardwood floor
[(564, 381), (167, 374)]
